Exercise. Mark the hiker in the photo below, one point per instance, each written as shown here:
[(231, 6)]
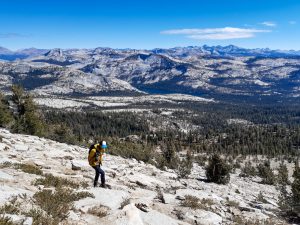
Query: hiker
[(95, 160)]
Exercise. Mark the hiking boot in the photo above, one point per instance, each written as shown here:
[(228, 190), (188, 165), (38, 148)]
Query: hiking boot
[(103, 186), (95, 184)]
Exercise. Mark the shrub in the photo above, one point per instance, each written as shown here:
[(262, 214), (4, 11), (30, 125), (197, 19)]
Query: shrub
[(5, 165), (125, 202), (185, 166), (4, 220), (201, 160), (232, 203), (9, 209), (191, 202), (58, 204), (160, 196), (51, 181), (39, 217), (27, 168), (238, 220), (217, 170), (98, 211), (248, 170), (261, 198), (195, 203)]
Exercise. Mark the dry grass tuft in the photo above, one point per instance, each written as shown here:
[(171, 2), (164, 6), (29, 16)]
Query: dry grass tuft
[(195, 203), (101, 211)]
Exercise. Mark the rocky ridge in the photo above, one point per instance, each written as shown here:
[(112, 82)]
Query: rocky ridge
[(140, 193), (203, 71)]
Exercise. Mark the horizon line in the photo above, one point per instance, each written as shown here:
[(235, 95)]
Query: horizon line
[(149, 49)]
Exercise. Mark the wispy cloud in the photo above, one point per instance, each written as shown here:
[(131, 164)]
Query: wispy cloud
[(269, 24), (11, 35), (292, 22), (216, 33)]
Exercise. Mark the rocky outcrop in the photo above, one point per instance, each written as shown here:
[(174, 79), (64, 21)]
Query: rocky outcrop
[(139, 193)]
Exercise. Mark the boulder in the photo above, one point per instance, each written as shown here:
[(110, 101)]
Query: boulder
[(145, 181), (169, 198), (19, 219), (5, 176), (3, 147), (79, 164), (154, 217), (20, 147), (207, 218), (106, 197)]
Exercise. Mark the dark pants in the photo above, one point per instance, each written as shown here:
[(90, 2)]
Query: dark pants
[(98, 171)]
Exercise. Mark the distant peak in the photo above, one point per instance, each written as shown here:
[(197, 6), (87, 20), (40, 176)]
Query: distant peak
[(57, 52)]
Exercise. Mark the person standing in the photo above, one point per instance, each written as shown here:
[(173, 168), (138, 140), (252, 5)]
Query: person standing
[(95, 160)]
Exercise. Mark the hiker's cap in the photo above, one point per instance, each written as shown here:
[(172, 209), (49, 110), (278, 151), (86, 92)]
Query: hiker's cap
[(103, 144)]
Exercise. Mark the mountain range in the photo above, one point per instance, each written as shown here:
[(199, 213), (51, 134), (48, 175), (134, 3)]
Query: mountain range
[(220, 72)]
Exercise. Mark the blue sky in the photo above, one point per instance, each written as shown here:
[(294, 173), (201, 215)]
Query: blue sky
[(149, 24)]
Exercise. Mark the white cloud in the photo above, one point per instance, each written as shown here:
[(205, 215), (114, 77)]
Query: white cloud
[(269, 24), (292, 22), (216, 33)]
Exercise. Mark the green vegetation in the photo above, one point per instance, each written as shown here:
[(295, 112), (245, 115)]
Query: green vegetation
[(283, 176), (51, 181), (5, 115), (185, 166), (4, 220), (58, 204), (10, 207), (248, 170), (125, 202), (218, 171), (27, 117), (127, 149), (5, 165), (195, 203), (98, 211), (39, 217), (266, 173), (272, 131), (28, 168), (261, 198), (232, 203), (296, 190)]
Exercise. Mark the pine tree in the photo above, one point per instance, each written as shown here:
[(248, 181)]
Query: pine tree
[(185, 166), (33, 123), (5, 115), (18, 98), (266, 173), (27, 117), (283, 177), (296, 189), (217, 170), (169, 155)]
